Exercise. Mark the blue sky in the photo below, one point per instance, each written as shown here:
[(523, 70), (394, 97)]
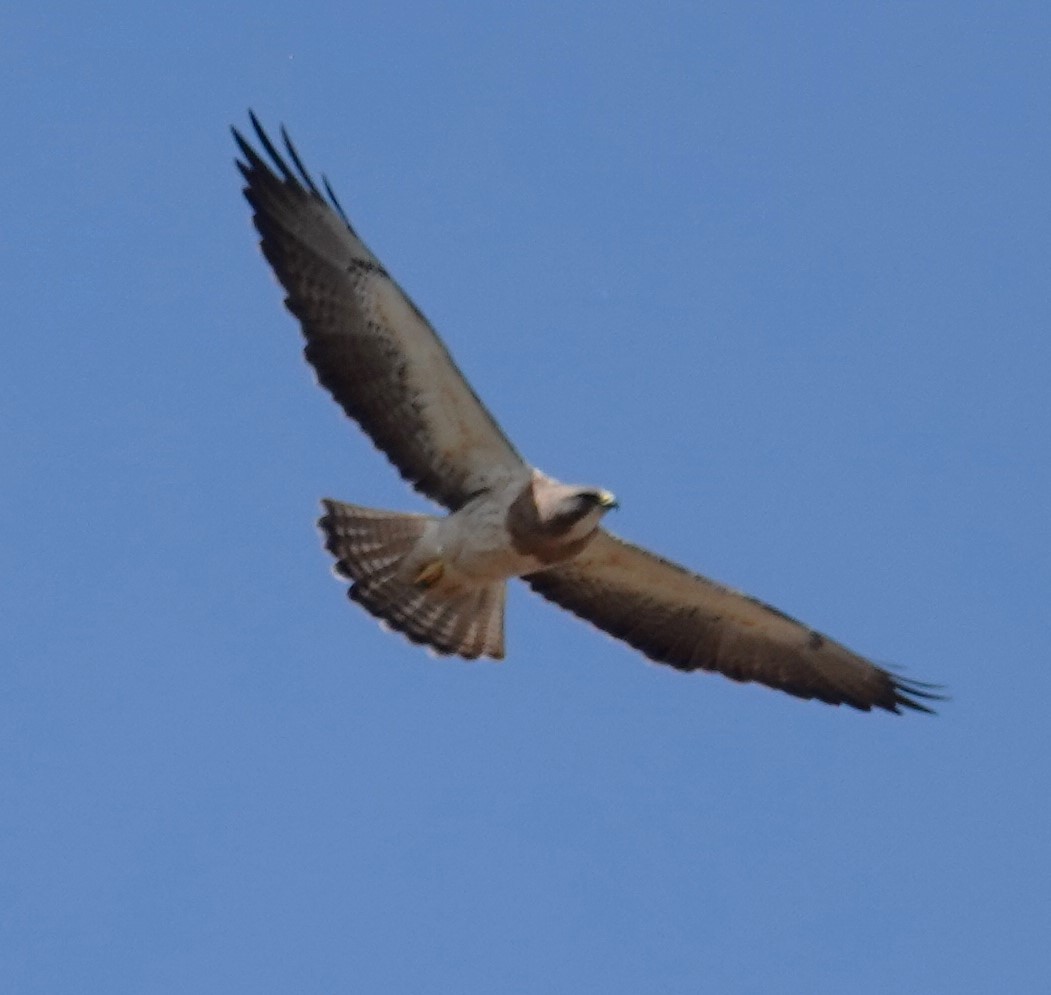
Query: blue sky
[(777, 277)]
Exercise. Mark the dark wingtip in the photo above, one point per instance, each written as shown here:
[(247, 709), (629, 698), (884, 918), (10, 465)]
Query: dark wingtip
[(296, 176), (298, 163), (245, 149), (335, 201), (910, 694)]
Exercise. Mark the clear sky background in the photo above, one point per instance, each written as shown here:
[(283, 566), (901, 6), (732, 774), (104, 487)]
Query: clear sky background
[(778, 275)]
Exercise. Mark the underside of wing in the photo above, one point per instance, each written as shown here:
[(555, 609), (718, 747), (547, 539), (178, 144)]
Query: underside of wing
[(684, 620), (371, 347)]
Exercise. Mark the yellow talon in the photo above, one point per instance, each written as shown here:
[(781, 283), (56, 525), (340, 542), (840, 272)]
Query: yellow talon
[(430, 574)]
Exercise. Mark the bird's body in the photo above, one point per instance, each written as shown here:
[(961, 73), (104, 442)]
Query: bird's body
[(470, 545), (441, 580), (472, 542), (526, 525)]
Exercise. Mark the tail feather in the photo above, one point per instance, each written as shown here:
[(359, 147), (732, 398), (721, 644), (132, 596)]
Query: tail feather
[(488, 627), (369, 547), (369, 543)]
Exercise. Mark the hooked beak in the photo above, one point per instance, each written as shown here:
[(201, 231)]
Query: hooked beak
[(607, 501)]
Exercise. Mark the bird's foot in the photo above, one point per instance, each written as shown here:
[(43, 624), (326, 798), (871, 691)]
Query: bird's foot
[(430, 574)]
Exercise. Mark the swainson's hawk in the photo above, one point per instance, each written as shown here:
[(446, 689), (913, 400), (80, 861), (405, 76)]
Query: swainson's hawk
[(441, 580)]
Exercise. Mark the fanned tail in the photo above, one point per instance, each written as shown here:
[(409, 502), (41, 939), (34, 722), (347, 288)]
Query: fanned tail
[(369, 547)]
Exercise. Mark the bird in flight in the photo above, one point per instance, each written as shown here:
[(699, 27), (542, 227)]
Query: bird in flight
[(441, 580)]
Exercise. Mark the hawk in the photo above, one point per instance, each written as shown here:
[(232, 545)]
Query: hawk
[(441, 580)]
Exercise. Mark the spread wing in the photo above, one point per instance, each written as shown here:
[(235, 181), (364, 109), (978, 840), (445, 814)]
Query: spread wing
[(682, 619), (371, 347)]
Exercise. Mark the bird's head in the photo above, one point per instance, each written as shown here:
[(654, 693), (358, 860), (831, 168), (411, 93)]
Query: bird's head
[(605, 500), (576, 511)]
